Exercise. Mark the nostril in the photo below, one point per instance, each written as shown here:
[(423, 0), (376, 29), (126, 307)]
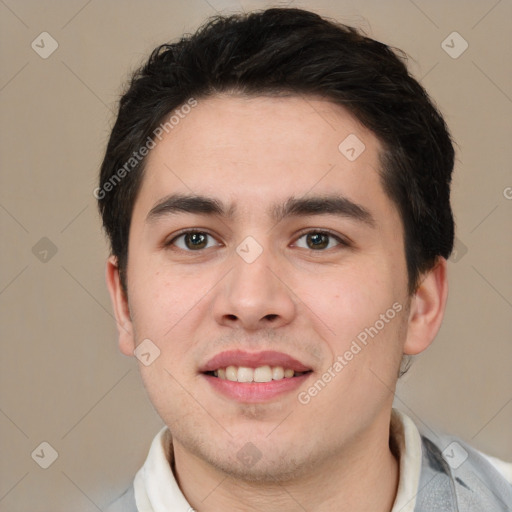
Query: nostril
[(271, 317)]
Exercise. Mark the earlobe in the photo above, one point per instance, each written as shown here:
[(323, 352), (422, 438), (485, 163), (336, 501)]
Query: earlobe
[(120, 306), (427, 309)]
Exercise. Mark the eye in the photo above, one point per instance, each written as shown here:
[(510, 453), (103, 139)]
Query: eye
[(319, 240), (193, 240)]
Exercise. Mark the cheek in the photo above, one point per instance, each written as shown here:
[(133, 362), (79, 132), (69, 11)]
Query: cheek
[(160, 300), (167, 389), (350, 300), (169, 310), (364, 315)]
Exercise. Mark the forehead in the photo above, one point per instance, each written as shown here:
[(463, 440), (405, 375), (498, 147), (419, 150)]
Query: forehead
[(256, 149)]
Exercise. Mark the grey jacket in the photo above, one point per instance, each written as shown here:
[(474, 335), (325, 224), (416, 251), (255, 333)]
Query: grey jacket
[(459, 479), (454, 479)]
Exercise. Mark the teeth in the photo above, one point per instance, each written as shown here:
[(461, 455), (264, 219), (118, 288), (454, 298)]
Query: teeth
[(245, 374), (260, 374), (277, 373), (232, 373)]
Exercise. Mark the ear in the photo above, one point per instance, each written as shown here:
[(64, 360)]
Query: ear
[(121, 308), (427, 309)]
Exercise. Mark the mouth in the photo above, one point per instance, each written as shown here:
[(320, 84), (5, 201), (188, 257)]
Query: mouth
[(254, 377), (247, 374)]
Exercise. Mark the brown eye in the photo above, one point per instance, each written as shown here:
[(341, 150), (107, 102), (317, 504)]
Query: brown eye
[(191, 240), (319, 240), (196, 240)]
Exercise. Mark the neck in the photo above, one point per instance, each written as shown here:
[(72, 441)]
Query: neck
[(363, 476)]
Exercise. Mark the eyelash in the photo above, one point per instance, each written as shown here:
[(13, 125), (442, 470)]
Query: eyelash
[(342, 242)]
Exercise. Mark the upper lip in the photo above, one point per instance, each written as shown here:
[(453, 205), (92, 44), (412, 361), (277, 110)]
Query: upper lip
[(253, 360)]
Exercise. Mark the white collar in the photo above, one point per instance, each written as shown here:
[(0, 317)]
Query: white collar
[(156, 489), (408, 439)]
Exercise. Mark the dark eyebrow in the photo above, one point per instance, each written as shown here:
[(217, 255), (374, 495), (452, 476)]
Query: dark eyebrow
[(294, 207), (182, 203), (322, 205)]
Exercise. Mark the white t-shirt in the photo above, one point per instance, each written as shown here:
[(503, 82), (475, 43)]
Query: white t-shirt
[(156, 489)]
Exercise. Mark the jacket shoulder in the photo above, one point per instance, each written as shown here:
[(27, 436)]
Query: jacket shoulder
[(456, 477)]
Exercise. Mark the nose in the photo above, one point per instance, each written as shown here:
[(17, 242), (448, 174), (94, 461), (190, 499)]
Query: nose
[(254, 295)]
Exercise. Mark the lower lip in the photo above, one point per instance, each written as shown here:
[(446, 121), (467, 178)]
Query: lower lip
[(256, 392)]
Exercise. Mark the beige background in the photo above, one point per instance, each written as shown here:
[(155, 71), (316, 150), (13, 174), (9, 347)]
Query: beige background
[(62, 379)]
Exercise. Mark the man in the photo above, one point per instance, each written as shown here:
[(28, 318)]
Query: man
[(276, 190)]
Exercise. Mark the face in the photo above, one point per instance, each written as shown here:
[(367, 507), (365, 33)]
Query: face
[(271, 281)]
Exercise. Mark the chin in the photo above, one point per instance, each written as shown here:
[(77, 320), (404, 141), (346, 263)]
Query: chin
[(277, 470), (254, 458)]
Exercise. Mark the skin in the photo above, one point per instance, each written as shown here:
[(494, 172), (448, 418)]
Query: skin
[(332, 453)]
